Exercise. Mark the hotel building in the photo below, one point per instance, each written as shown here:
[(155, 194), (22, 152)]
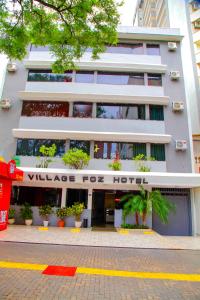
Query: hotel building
[(130, 101)]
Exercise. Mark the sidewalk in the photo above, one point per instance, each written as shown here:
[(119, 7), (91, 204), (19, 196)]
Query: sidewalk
[(86, 237)]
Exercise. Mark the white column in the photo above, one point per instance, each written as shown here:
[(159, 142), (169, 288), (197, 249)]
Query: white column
[(147, 113), (71, 109), (63, 198), (89, 204), (148, 149)]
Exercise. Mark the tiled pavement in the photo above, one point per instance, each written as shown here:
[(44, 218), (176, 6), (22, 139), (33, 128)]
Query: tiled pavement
[(86, 237), (18, 284)]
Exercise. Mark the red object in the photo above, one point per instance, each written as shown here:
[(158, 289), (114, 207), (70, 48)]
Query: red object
[(8, 173), (60, 271), (61, 223), (117, 200)]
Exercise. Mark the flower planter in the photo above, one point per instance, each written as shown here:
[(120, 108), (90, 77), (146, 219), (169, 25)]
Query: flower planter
[(61, 223), (78, 224), (28, 222), (11, 221), (45, 223)]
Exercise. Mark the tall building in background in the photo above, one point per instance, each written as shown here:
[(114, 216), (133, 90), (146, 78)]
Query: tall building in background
[(153, 13), (180, 14)]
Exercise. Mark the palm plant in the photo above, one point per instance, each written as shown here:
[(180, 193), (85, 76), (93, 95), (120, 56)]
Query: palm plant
[(143, 203)]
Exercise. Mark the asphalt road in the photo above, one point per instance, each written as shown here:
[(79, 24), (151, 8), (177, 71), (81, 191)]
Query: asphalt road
[(98, 273)]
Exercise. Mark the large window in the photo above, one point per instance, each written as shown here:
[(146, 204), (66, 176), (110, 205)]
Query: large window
[(36, 196), (77, 195), (120, 111), (109, 150), (82, 110), (82, 145), (84, 77), (120, 78), (158, 151), (155, 79), (153, 49), (126, 48), (31, 147), (47, 75), (45, 109), (156, 112)]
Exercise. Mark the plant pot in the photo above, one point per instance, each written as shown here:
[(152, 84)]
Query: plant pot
[(78, 224), (28, 222), (45, 223), (61, 223), (11, 221)]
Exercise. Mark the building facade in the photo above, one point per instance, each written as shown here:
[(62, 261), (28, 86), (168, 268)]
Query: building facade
[(130, 101)]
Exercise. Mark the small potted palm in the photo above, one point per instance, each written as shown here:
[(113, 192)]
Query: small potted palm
[(11, 216), (45, 211), (26, 214), (77, 209)]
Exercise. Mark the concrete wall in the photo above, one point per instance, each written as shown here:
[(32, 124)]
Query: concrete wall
[(130, 219), (196, 210)]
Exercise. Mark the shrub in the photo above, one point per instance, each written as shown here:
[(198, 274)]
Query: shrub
[(76, 158), (47, 153), (77, 209), (11, 213), (115, 165), (139, 162), (134, 226), (45, 211), (26, 212)]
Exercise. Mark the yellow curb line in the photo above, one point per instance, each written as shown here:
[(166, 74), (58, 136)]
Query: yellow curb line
[(43, 228), (24, 266), (75, 230), (123, 231), (104, 272)]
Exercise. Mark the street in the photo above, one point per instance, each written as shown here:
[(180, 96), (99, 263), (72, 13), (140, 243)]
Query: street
[(101, 273)]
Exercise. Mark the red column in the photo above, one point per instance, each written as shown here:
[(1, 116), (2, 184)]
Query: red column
[(5, 192)]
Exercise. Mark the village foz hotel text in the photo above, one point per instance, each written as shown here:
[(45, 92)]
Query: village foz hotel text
[(86, 179)]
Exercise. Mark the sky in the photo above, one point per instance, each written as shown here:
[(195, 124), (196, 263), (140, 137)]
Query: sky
[(126, 12)]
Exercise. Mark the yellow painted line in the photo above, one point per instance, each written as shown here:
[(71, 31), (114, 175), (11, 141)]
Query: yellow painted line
[(75, 230), (146, 275), (148, 232), (43, 228), (23, 266), (123, 231)]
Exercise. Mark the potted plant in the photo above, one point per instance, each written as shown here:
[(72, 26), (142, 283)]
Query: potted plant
[(11, 216), (47, 154), (26, 214), (116, 165), (61, 213), (77, 209), (44, 212), (76, 158)]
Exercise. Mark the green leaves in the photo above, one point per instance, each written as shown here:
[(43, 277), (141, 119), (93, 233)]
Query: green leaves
[(80, 24), (76, 158)]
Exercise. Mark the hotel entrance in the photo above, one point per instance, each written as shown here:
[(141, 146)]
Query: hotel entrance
[(103, 208)]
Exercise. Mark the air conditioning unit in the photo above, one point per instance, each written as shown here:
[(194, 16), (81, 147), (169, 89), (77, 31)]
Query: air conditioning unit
[(174, 75), (172, 46), (5, 104), (11, 67), (177, 106), (181, 145)]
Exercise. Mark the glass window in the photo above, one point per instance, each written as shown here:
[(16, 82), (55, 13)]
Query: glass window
[(77, 195), (36, 196), (126, 48), (47, 75), (31, 147), (153, 49), (82, 110), (109, 150), (154, 79), (84, 77), (120, 78), (156, 112), (82, 145), (110, 111), (45, 109), (158, 151)]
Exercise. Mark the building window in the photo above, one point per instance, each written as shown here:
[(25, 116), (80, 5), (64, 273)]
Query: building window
[(158, 151), (77, 195), (120, 78), (45, 109), (31, 147), (109, 150), (126, 48), (47, 75), (155, 79), (115, 111), (36, 196), (82, 110), (82, 145), (153, 49), (84, 77), (156, 112)]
